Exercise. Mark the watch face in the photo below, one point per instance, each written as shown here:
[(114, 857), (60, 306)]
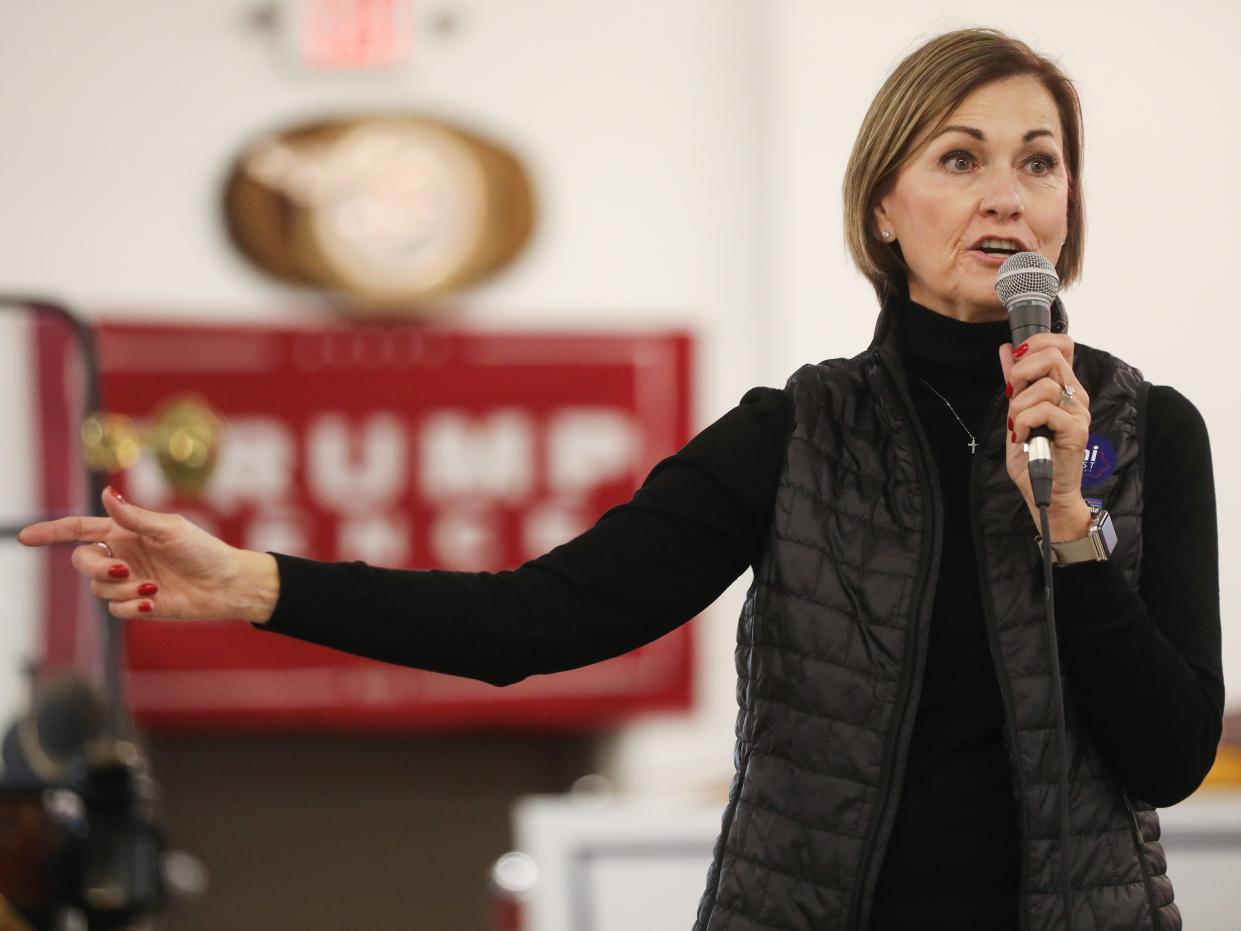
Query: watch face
[(1105, 531)]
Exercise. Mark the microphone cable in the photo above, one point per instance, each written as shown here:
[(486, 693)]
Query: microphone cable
[(1057, 702), (1040, 469)]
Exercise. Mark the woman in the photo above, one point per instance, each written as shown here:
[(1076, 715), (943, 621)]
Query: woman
[(896, 756)]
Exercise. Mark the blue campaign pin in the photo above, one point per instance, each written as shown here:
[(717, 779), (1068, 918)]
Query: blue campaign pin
[(1098, 461)]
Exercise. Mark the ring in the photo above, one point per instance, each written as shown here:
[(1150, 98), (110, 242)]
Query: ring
[(107, 549), (1066, 393)]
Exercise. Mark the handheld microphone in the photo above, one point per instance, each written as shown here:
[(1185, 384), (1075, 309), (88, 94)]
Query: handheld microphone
[(1027, 284)]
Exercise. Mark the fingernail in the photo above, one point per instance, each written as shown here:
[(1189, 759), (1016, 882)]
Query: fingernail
[(1008, 389), (148, 588), (145, 607), (115, 494), (1010, 423), (1020, 350), (118, 571), (1014, 436)]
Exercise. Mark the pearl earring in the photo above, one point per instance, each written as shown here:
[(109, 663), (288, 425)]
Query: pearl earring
[(886, 235)]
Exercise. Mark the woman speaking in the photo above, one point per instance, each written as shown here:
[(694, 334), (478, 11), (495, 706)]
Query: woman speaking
[(898, 760)]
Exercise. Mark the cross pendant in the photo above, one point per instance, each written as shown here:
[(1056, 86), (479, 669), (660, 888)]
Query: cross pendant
[(973, 445)]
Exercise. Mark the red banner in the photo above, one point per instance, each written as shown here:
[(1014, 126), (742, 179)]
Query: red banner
[(400, 446)]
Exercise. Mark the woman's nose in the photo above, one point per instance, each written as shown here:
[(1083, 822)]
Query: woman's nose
[(1002, 194)]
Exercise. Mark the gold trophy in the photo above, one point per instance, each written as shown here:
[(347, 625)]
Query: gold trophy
[(184, 435)]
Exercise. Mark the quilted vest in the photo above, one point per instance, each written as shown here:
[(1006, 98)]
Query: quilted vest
[(831, 647)]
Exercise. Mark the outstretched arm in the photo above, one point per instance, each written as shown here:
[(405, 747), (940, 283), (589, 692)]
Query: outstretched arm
[(646, 567)]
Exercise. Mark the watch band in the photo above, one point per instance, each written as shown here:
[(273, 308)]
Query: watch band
[(1096, 546)]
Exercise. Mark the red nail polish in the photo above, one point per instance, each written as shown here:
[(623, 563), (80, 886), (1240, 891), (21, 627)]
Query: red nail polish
[(148, 588), (145, 607), (1020, 350), (1014, 436), (1010, 423), (118, 571), (1008, 389)]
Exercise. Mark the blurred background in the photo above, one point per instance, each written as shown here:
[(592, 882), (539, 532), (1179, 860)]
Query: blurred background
[(398, 240)]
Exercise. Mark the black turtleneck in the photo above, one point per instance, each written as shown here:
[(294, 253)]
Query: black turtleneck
[(1145, 666), (957, 798)]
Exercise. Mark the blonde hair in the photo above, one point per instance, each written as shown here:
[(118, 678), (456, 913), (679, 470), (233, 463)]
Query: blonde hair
[(919, 95)]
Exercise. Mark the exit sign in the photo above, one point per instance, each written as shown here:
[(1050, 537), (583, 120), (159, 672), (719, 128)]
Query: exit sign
[(348, 35)]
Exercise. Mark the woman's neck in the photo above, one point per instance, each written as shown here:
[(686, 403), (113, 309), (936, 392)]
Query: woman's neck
[(949, 353), (965, 312)]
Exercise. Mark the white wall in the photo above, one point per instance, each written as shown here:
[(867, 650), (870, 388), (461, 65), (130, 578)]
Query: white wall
[(688, 157), (22, 600)]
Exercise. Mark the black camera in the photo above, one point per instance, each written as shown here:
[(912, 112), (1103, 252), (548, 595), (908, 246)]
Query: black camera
[(81, 845)]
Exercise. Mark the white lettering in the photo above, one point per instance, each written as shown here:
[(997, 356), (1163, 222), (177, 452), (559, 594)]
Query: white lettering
[(590, 446), (548, 524), (146, 486), (280, 531), (379, 539), (355, 466), (463, 456), (466, 537), (257, 456)]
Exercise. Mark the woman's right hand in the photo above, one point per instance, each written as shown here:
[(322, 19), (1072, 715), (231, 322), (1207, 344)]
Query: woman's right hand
[(162, 565)]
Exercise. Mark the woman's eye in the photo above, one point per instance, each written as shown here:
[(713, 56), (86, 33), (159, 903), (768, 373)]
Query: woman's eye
[(1042, 164), (957, 161)]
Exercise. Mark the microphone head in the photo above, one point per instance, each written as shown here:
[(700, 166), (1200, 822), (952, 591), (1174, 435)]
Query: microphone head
[(1028, 276)]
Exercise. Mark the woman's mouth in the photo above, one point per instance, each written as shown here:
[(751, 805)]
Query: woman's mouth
[(992, 259), (994, 250)]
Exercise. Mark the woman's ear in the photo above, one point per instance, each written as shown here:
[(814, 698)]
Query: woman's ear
[(883, 224)]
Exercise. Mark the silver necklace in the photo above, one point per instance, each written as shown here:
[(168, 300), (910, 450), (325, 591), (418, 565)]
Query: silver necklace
[(973, 444)]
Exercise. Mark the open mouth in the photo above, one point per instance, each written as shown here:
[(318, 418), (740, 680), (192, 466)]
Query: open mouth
[(994, 245)]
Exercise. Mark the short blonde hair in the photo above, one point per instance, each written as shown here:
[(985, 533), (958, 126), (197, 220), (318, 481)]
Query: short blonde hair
[(919, 95)]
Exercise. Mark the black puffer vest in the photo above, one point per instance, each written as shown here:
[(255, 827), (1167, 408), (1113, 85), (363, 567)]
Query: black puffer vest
[(831, 648)]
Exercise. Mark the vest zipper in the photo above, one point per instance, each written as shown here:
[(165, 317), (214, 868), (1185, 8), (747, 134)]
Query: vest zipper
[(1140, 844), (988, 609), (896, 749)]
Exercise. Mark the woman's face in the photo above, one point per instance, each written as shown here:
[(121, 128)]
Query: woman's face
[(995, 170)]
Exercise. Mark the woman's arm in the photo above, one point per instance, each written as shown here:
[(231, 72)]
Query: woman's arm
[(646, 567), (1145, 667)]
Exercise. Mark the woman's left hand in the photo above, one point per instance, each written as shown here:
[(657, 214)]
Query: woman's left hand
[(1034, 378)]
